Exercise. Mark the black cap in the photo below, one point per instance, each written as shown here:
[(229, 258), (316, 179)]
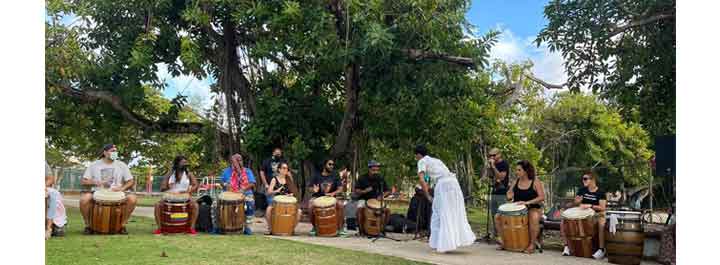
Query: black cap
[(373, 163), (105, 148)]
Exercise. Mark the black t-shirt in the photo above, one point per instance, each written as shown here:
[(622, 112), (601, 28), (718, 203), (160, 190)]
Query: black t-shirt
[(502, 187), (365, 181), (269, 166), (591, 197), (322, 181)]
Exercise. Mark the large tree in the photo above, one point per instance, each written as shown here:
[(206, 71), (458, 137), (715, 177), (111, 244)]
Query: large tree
[(625, 50)]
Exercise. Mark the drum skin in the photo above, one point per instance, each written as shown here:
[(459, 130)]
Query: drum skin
[(373, 218), (106, 216), (581, 233), (626, 245), (284, 214), (175, 216), (231, 216), (325, 215)]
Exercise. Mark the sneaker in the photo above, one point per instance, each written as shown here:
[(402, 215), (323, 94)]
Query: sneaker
[(566, 251), (312, 232), (192, 232), (157, 232), (599, 254), (342, 232)]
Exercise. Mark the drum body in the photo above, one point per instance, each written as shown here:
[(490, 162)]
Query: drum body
[(581, 229), (175, 213), (626, 245), (515, 227), (284, 215), (231, 212), (107, 212), (325, 215), (373, 217)]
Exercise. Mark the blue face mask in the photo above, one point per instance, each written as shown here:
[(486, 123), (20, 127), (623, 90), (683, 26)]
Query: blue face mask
[(427, 178)]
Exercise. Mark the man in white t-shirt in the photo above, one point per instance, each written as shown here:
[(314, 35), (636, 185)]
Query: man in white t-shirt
[(107, 173)]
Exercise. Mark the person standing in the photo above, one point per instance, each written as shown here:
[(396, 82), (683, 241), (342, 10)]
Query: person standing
[(500, 180), (268, 171), (107, 172), (449, 227)]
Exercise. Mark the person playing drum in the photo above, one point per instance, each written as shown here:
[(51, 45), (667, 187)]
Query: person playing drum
[(179, 180), (327, 183), (593, 197), (281, 184), (526, 190), (371, 186), (107, 173), (238, 178)]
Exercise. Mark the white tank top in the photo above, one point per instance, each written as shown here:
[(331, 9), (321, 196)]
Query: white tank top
[(178, 187)]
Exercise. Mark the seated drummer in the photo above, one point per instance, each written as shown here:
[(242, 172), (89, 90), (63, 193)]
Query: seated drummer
[(54, 209), (526, 190), (281, 184), (238, 178), (179, 180), (107, 172), (590, 196), (327, 183), (371, 186)]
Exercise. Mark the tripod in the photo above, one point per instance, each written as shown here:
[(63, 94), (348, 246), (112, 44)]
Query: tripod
[(487, 237)]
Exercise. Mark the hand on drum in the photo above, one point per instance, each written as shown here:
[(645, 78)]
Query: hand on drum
[(521, 203), (585, 206), (116, 189), (316, 188), (369, 189)]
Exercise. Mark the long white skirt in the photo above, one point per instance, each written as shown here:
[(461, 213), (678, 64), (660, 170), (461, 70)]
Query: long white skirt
[(449, 227)]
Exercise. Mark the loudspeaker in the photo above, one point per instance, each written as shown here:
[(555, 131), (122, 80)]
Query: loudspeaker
[(665, 155)]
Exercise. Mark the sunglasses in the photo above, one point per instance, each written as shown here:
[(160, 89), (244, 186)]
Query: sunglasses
[(331, 164), (491, 155), (586, 178)]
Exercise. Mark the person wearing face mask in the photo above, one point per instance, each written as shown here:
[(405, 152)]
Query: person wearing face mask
[(268, 171), (371, 186), (238, 178), (179, 180), (107, 173)]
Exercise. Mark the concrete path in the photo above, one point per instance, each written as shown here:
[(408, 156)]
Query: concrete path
[(476, 254)]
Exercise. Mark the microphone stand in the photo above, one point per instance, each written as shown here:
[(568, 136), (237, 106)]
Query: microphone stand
[(382, 214), (487, 238)]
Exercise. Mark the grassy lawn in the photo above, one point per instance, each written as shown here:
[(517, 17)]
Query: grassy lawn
[(141, 247)]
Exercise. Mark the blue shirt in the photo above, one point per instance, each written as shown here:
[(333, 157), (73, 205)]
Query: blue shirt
[(227, 174)]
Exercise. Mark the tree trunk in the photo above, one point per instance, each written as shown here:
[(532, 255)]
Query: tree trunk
[(349, 121)]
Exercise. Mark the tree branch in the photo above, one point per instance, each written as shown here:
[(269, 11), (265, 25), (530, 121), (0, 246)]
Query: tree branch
[(645, 21), (117, 104), (415, 54), (543, 83)]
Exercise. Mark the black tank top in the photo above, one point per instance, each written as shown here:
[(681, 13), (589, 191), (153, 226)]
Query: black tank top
[(525, 195), (284, 190)]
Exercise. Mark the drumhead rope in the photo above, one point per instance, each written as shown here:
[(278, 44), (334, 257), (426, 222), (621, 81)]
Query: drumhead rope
[(324, 201), (577, 213), (108, 195), (285, 199)]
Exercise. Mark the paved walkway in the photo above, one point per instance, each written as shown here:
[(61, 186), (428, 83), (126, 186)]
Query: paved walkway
[(476, 254)]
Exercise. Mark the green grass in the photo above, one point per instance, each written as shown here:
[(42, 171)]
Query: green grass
[(141, 247)]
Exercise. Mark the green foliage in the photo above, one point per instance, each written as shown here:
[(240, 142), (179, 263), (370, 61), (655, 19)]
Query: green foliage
[(634, 68)]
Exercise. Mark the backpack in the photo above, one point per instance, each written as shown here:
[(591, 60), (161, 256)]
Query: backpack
[(204, 220)]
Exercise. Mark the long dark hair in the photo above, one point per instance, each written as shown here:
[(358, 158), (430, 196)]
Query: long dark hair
[(528, 168), (176, 164), (288, 180)]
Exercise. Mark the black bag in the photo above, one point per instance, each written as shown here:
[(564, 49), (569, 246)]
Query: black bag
[(204, 220), (419, 205), (260, 201), (396, 224)]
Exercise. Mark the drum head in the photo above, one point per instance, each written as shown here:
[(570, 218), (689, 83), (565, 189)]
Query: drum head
[(231, 196), (373, 203), (285, 199), (511, 207), (176, 197), (324, 201), (108, 195), (577, 213)]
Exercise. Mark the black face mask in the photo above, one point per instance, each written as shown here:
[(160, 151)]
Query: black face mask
[(182, 168)]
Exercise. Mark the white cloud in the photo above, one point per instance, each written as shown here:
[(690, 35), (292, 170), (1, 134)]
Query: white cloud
[(547, 65), (187, 85)]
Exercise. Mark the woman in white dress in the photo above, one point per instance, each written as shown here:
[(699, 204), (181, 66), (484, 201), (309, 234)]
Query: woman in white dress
[(449, 227)]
